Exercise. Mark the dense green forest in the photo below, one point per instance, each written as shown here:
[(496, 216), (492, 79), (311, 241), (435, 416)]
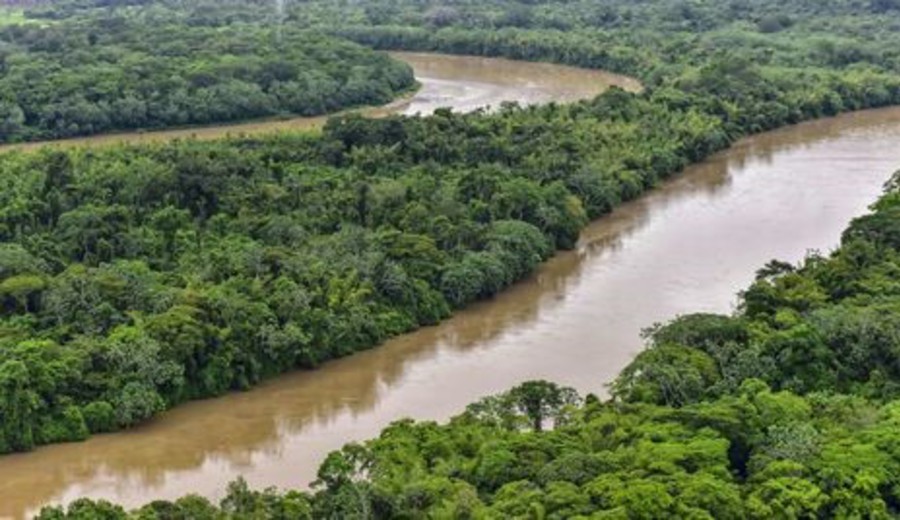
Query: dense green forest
[(785, 410), (134, 278), (114, 72)]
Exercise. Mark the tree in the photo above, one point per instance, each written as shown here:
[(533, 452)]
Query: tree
[(537, 401), (137, 402)]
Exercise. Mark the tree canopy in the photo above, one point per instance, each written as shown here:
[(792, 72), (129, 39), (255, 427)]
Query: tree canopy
[(134, 278), (115, 71)]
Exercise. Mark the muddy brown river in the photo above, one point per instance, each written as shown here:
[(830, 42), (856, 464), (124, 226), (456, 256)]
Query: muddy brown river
[(688, 246)]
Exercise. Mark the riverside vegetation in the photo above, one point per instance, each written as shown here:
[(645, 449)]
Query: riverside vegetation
[(135, 278)]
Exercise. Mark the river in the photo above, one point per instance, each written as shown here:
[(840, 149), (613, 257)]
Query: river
[(464, 83), (689, 245)]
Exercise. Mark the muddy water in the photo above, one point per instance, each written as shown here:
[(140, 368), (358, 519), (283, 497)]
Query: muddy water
[(461, 82), (490, 82), (688, 246)]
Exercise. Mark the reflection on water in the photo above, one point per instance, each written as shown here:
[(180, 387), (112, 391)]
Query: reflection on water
[(689, 245)]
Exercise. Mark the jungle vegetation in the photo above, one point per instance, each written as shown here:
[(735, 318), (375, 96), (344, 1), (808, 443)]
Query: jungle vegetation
[(137, 277), (109, 73)]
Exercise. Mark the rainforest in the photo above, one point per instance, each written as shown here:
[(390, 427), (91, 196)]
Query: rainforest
[(115, 73), (135, 278)]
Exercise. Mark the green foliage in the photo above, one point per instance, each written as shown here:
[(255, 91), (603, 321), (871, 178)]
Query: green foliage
[(530, 405), (138, 277), (669, 374), (100, 417)]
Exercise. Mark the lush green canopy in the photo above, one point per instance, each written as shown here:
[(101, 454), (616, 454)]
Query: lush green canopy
[(117, 72), (134, 278)]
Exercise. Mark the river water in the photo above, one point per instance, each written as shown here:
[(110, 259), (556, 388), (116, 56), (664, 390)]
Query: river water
[(688, 246)]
